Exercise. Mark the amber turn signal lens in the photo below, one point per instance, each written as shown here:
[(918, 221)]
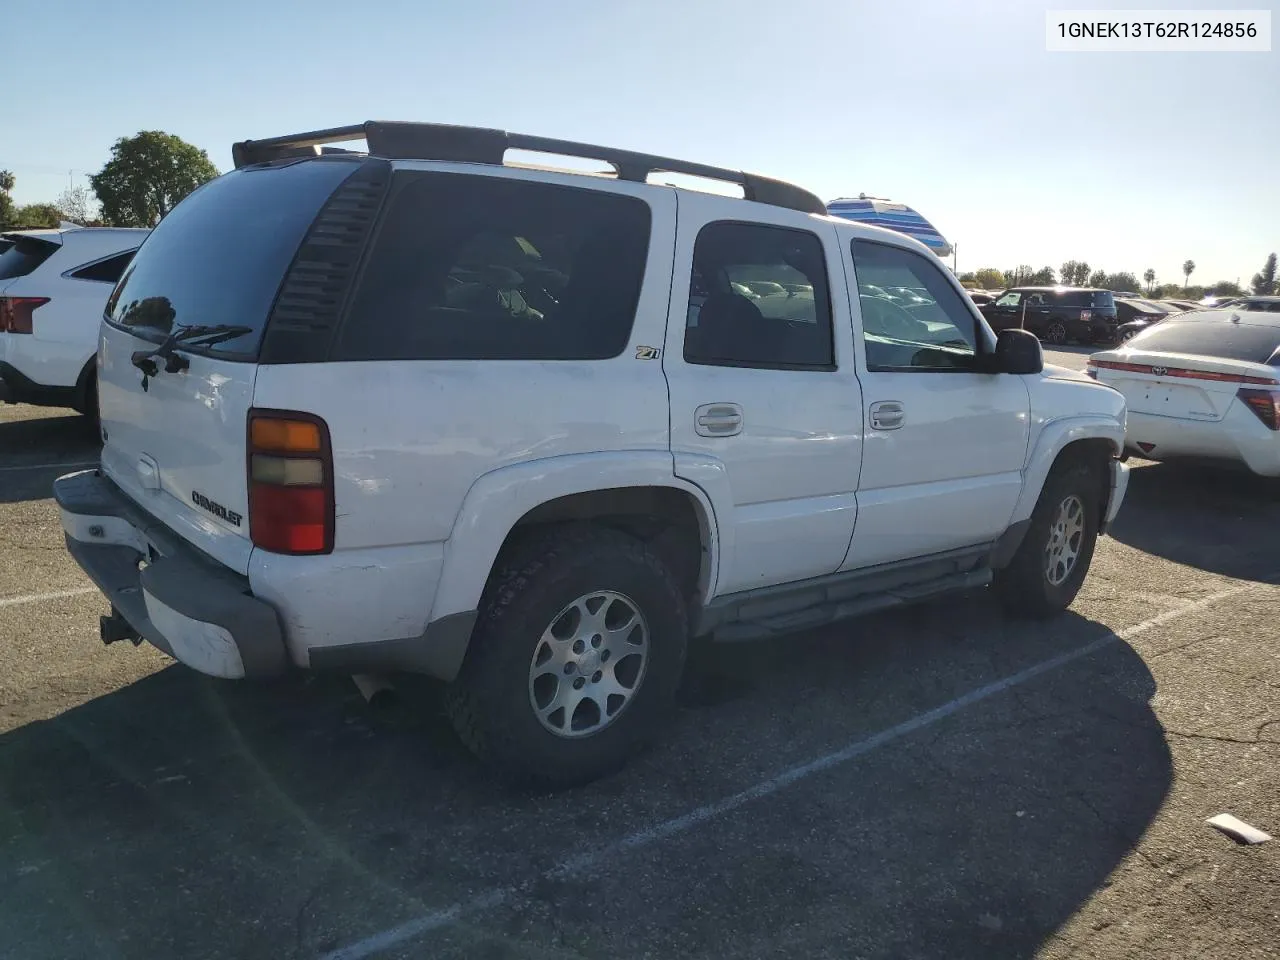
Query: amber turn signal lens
[(285, 436)]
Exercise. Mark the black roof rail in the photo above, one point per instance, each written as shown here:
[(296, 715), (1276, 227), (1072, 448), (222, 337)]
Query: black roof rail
[(438, 141)]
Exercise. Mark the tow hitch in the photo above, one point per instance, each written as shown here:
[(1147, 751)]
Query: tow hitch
[(116, 627)]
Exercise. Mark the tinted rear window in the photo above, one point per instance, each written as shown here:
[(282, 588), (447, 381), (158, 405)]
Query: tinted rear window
[(220, 255), (487, 268), (1212, 335), (23, 256), (1086, 298)]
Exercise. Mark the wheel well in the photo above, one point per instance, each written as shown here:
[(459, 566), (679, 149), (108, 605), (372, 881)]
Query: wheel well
[(671, 521), (1097, 453)]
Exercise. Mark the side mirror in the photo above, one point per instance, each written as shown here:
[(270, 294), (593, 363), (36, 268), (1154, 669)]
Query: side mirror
[(1018, 351)]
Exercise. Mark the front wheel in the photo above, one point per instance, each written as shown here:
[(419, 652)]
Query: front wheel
[(1049, 567), (575, 660)]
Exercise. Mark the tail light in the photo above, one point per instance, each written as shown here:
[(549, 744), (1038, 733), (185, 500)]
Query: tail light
[(15, 313), (290, 482), (1264, 403), (1091, 370)]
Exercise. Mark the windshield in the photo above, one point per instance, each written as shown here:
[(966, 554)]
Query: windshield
[(219, 256)]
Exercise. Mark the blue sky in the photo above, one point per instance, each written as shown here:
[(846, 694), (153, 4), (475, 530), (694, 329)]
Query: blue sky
[(952, 106)]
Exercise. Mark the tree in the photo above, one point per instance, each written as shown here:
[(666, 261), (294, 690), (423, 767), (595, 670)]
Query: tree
[(1123, 281), (1187, 267), (1265, 282), (1019, 275), (989, 278), (1098, 279), (76, 204), (1149, 278), (35, 215), (1044, 277), (1075, 273), (1224, 288), (147, 176), (7, 181)]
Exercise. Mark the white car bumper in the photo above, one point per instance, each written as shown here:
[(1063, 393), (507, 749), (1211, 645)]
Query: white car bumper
[(1239, 436)]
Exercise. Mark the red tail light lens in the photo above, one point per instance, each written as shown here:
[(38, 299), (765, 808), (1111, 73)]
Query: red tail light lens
[(15, 313), (1264, 403), (290, 482)]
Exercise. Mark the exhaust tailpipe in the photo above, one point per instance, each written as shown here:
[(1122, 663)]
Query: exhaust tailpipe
[(376, 689)]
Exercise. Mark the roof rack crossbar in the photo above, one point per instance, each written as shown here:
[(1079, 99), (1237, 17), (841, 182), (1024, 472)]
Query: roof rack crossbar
[(437, 141)]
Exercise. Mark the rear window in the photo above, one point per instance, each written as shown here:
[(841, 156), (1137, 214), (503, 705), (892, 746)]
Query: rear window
[(487, 268), (24, 255), (1212, 335), (220, 255), (1087, 298)]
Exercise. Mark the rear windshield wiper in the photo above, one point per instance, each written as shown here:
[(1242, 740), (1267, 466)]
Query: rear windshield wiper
[(198, 335)]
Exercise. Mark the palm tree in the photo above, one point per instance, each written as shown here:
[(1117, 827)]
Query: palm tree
[(1187, 267), (1150, 278)]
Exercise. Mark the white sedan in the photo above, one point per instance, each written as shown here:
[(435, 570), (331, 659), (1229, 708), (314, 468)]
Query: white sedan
[(1201, 385)]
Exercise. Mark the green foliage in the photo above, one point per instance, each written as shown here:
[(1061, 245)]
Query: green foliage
[(1019, 276), (1224, 288), (1074, 273), (1097, 279), (77, 205), (1124, 280), (1149, 278), (1264, 283), (7, 180), (1187, 267), (1044, 277), (989, 278), (34, 216), (147, 176)]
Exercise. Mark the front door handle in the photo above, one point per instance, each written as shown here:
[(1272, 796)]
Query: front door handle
[(888, 415), (718, 420)]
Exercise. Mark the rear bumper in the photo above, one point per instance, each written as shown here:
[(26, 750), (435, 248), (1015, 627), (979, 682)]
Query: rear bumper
[(16, 387), (1239, 437), (175, 598)]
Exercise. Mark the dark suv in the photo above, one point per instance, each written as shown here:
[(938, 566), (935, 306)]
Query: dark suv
[(1056, 314)]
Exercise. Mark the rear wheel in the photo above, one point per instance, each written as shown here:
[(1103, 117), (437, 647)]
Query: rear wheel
[(88, 402), (1056, 332), (1050, 566), (575, 660)]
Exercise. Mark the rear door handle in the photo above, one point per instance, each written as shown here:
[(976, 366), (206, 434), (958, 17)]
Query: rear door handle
[(888, 415), (718, 420)]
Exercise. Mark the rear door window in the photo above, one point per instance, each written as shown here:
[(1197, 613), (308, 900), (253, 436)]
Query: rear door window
[(221, 254), (1211, 335), (24, 255), (491, 268)]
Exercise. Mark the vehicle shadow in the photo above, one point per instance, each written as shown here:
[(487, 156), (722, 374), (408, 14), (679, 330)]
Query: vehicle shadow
[(35, 451), (1216, 519), (184, 817)]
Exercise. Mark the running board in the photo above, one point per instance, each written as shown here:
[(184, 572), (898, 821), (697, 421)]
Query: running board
[(764, 627)]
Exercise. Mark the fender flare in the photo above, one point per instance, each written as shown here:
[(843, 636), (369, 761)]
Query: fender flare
[(497, 501), (1054, 437)]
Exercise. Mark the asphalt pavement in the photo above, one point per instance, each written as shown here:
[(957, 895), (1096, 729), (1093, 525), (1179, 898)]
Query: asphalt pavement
[(941, 782)]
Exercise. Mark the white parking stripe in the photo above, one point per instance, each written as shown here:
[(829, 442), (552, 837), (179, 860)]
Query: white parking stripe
[(667, 828), (52, 595), (48, 466)]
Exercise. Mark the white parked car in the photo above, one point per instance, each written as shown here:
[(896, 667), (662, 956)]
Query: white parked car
[(1202, 385), (519, 429), (53, 287)]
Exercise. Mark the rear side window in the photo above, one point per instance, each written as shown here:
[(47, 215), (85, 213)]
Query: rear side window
[(1087, 298), (219, 256), (23, 256), (758, 298), (488, 268), (1212, 335), (105, 271)]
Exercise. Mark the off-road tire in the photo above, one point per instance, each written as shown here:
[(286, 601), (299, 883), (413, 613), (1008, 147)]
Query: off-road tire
[(1023, 586), (489, 703)]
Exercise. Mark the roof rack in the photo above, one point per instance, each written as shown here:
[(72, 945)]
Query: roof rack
[(438, 141)]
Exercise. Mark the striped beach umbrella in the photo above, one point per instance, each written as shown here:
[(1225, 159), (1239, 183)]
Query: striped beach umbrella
[(894, 216)]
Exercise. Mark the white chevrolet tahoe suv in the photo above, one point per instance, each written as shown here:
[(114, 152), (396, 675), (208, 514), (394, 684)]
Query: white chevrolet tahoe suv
[(529, 431)]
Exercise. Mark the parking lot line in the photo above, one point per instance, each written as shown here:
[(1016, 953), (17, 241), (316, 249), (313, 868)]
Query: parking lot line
[(51, 595), (75, 465), (396, 935)]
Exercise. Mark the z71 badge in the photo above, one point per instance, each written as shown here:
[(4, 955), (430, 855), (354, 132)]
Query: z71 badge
[(647, 353)]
